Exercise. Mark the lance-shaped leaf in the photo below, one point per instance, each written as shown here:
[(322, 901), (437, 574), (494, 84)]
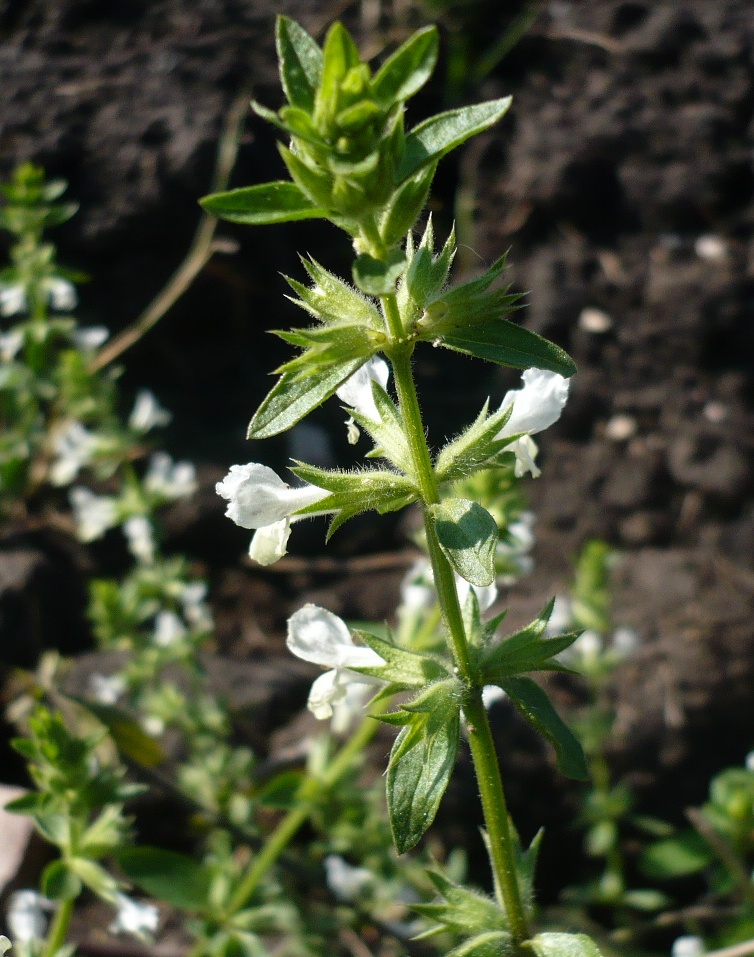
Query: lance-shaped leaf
[(377, 277), (440, 134), (177, 879), (332, 300), (555, 944), (422, 760), (354, 492), (475, 447), (279, 202), (463, 911), (340, 55), (526, 650), (406, 71), (425, 275), (300, 60), (325, 346), (292, 398), (532, 702), (468, 536), (501, 341), (388, 434), (403, 669), (403, 208)]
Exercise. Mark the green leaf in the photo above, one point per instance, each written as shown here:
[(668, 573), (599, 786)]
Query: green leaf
[(532, 702), (676, 857), (501, 341), (440, 134), (300, 60), (421, 762), (475, 447), (340, 55), (292, 398), (403, 208), (468, 536), (418, 774), (58, 883), (388, 434), (490, 943), (278, 202), (356, 492), (563, 945), (526, 650), (462, 910), (405, 72), (402, 668), (130, 738), (95, 877), (177, 879), (378, 277)]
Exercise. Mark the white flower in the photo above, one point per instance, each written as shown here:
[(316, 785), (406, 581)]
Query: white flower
[(147, 413), (93, 514), (357, 394), (258, 498), (749, 762), (417, 588), (89, 338), (60, 292), (168, 629), (168, 479), (26, 916), (106, 688), (195, 610), (492, 694), (5, 945), (139, 920), (140, 535), (10, 344), (515, 549), (688, 946), (12, 299), (625, 641), (536, 406), (316, 635), (347, 882), (74, 447)]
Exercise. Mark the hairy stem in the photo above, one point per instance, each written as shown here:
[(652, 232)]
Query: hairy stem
[(480, 735)]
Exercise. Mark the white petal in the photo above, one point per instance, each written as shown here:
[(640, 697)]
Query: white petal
[(61, 292), (89, 338), (147, 412), (269, 544), (538, 404), (525, 449), (12, 300), (140, 536), (356, 391), (324, 691), (491, 694), (258, 497), (133, 917), (316, 635), (344, 880), (350, 706), (10, 344), (94, 514)]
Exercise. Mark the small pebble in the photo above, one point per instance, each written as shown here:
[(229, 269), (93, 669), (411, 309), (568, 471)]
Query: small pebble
[(711, 248), (620, 428), (595, 320), (715, 411)]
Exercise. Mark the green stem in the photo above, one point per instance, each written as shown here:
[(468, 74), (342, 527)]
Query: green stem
[(59, 927), (297, 816), (502, 846)]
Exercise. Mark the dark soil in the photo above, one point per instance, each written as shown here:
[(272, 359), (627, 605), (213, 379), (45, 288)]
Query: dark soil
[(622, 180)]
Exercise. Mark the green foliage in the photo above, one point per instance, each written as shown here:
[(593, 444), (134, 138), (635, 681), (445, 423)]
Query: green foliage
[(422, 759), (468, 536)]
